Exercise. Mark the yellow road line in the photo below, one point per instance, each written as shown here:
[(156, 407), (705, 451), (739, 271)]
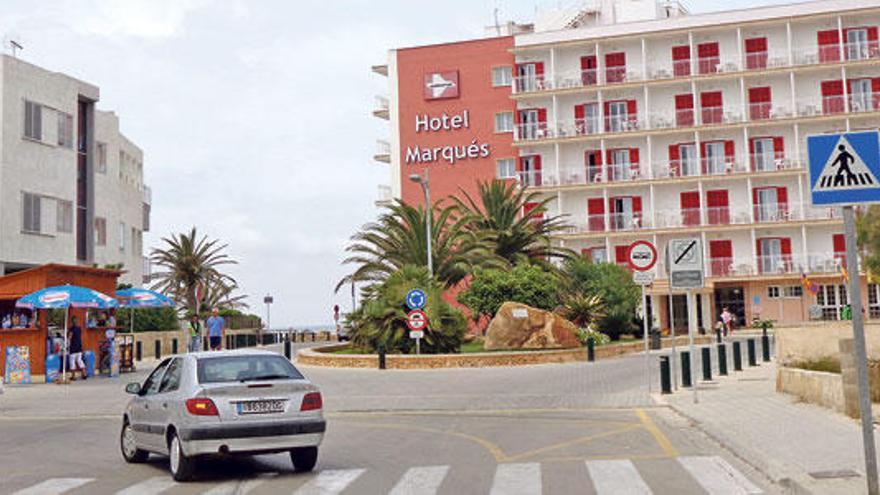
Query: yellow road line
[(658, 435), (575, 441), (493, 449)]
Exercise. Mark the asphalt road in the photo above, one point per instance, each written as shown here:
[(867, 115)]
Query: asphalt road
[(574, 428)]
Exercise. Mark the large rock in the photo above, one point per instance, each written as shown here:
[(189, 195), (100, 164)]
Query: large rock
[(517, 326)]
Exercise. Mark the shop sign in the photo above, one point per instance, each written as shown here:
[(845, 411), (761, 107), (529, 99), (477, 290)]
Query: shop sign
[(18, 365)]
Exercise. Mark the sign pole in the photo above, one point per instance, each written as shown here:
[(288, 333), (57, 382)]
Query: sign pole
[(672, 331), (692, 325), (645, 332), (852, 263), (418, 340)]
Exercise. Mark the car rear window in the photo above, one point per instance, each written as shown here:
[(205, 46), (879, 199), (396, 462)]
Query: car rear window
[(245, 368)]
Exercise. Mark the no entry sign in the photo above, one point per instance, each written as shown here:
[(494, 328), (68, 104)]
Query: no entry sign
[(642, 256), (416, 320)]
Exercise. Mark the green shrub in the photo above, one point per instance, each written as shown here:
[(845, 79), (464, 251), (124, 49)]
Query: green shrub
[(525, 284), (826, 364), (614, 286), (599, 338), (147, 319)]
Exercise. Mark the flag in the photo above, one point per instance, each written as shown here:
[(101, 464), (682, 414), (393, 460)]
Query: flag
[(844, 272), (808, 284)]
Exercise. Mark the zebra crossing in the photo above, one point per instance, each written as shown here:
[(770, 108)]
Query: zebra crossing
[(711, 474)]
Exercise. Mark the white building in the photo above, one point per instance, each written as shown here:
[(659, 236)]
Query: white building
[(71, 185)]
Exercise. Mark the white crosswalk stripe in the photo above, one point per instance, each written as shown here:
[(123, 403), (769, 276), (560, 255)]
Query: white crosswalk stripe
[(240, 487), (149, 486), (330, 482), (716, 476), (54, 486), (517, 479), (617, 478), (420, 481)]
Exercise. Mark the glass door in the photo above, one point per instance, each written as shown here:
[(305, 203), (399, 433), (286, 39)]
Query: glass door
[(768, 206), (715, 158), (617, 116), (771, 255), (623, 213), (765, 155), (688, 156), (529, 124), (857, 44), (620, 165), (526, 77), (860, 99)]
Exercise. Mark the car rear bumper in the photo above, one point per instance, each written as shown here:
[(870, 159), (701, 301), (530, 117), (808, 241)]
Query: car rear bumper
[(252, 438)]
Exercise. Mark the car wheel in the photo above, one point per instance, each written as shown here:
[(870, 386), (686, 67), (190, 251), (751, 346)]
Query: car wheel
[(128, 445), (182, 467), (304, 458)]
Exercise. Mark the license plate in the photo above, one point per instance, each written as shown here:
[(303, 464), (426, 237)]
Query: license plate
[(261, 407)]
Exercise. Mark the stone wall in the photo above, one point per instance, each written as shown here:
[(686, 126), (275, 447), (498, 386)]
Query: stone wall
[(814, 387), (821, 340)]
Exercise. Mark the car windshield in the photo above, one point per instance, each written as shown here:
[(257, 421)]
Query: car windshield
[(246, 368)]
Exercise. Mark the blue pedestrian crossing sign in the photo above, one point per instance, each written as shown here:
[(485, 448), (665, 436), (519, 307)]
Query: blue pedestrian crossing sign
[(416, 299), (844, 168)]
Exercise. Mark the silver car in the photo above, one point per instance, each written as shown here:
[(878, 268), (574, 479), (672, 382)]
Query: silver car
[(223, 403)]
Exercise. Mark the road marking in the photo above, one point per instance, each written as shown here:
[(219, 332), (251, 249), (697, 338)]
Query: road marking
[(240, 487), (156, 484), (617, 478), (330, 482), (575, 441), (420, 481), (54, 486), (658, 435), (493, 449), (517, 479), (715, 475)]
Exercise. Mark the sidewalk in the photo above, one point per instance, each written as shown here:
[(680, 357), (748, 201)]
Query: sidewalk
[(785, 439)]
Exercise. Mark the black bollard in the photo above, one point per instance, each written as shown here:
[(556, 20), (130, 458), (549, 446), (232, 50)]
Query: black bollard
[(665, 378), (205, 343), (287, 349), (718, 335), (765, 347), (381, 350), (138, 351), (737, 356), (722, 359), (685, 369), (707, 363), (591, 349), (173, 346), (158, 346), (750, 347)]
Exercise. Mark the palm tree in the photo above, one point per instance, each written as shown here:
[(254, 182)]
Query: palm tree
[(398, 239), (500, 213), (189, 262)]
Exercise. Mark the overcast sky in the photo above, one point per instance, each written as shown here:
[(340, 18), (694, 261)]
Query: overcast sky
[(254, 116)]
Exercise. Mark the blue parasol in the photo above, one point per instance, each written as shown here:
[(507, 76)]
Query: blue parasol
[(136, 297), (66, 297)]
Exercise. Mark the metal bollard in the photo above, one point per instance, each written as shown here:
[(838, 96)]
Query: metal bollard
[(722, 359), (750, 347), (737, 356), (591, 349), (381, 350), (707, 363), (718, 335), (665, 378), (173, 346), (138, 351), (765, 347), (685, 369), (205, 343), (158, 348), (287, 349), (313, 336)]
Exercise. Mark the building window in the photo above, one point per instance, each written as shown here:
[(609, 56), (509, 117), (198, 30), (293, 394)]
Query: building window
[(64, 218), (122, 234), (33, 120), (773, 292), (504, 122), (832, 299), (100, 231), (793, 291), (502, 76), (31, 213), (101, 149), (122, 158), (65, 130), (506, 168), (873, 300)]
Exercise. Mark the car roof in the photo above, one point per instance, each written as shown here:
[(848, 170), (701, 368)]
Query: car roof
[(228, 353)]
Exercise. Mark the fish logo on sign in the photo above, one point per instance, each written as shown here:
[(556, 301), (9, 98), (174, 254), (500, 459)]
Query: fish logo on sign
[(845, 171), (441, 85)]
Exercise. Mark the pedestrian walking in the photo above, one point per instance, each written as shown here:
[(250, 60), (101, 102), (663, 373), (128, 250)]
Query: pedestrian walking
[(195, 334), (215, 330), (727, 320), (75, 350)]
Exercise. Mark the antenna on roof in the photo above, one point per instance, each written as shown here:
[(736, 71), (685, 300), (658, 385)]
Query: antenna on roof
[(497, 25), (15, 46)]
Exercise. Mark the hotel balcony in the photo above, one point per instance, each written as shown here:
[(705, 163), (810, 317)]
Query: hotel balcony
[(383, 151), (381, 69), (380, 107), (774, 265), (385, 196)]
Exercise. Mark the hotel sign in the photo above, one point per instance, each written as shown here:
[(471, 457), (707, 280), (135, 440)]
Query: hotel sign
[(449, 153)]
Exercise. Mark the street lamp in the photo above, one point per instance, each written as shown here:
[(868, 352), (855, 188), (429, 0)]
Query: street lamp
[(429, 217), (268, 300)]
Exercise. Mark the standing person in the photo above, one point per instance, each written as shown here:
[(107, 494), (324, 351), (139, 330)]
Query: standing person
[(195, 334), (727, 319), (74, 343), (215, 330)]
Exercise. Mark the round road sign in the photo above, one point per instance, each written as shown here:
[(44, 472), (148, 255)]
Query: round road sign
[(416, 299), (416, 320), (642, 256)]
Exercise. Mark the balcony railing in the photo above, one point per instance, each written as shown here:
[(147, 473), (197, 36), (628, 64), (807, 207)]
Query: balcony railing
[(774, 264), (383, 151), (617, 222), (772, 162), (384, 196), (862, 51), (381, 107), (528, 84), (534, 178), (864, 102)]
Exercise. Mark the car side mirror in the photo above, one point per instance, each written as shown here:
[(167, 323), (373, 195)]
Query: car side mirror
[(133, 388)]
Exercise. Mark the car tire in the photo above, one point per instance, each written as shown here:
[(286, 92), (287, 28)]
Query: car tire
[(182, 467), (128, 446), (304, 458)]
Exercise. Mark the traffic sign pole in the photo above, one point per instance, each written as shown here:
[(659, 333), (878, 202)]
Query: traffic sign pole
[(672, 331), (645, 332), (852, 262), (692, 327)]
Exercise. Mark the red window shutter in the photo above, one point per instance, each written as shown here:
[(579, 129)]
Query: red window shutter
[(839, 244), (832, 93), (832, 88), (579, 112), (759, 103), (585, 252), (588, 70), (703, 157), (828, 41), (721, 249), (673, 153), (786, 246), (634, 158), (758, 249), (717, 203), (779, 146), (542, 115), (528, 207), (588, 62), (595, 206), (637, 205), (519, 164), (621, 253), (716, 198), (712, 105), (690, 206), (705, 50), (609, 155), (616, 59), (684, 110), (711, 99), (607, 109), (592, 158), (539, 70), (755, 196), (828, 37), (756, 53), (756, 45), (631, 109), (595, 214), (681, 52), (684, 102), (681, 60), (707, 54), (872, 34), (729, 150), (536, 161), (759, 95), (782, 198)]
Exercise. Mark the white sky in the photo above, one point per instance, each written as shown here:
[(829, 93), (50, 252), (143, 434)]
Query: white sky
[(255, 116)]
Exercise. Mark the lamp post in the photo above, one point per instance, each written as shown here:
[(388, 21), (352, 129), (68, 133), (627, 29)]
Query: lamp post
[(268, 300), (423, 181)]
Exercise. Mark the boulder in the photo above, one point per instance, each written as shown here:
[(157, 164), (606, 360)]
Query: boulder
[(517, 326)]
